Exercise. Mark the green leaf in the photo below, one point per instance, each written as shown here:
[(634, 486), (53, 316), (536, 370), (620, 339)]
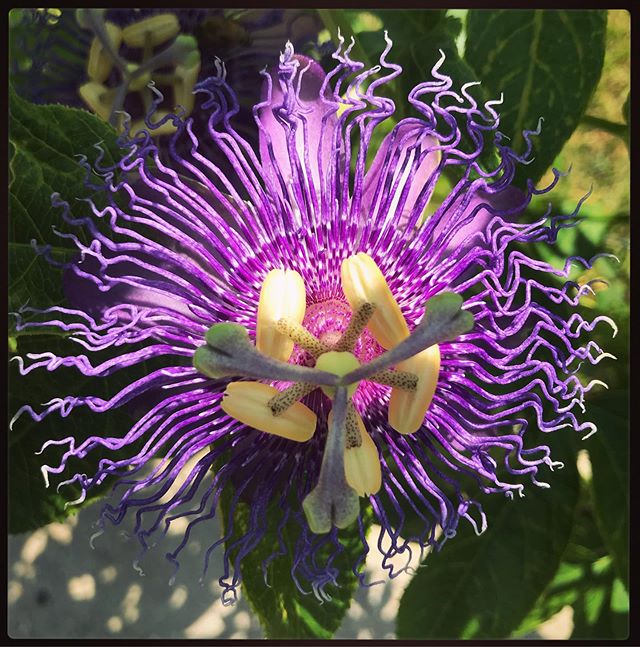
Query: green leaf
[(602, 610), (45, 143), (626, 109), (418, 38), (609, 454), (585, 580), (575, 575), (33, 280), (483, 587), (31, 504), (283, 611), (547, 63), (338, 20)]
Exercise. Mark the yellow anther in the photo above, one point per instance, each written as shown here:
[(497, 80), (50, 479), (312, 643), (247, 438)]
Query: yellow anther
[(186, 76), (361, 461), (100, 61), (363, 282), (98, 97), (339, 363), (282, 297), (167, 127), (248, 403), (154, 30), (407, 409), (140, 81)]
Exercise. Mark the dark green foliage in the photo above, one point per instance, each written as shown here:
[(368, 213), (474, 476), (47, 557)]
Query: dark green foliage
[(483, 587), (44, 143), (284, 612), (546, 62)]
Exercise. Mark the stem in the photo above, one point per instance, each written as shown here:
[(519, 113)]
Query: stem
[(97, 26), (612, 127), (333, 502), (147, 51), (118, 101), (168, 56)]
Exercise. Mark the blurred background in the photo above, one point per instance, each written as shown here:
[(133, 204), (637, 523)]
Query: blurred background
[(59, 587)]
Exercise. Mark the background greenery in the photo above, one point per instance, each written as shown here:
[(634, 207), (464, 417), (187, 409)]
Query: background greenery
[(566, 547)]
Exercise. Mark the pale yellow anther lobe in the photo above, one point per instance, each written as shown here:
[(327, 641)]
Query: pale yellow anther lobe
[(363, 282), (154, 30), (282, 296), (167, 127), (408, 408), (361, 461), (248, 402), (100, 62), (98, 97)]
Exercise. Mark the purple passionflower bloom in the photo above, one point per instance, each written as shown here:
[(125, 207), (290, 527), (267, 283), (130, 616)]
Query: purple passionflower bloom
[(340, 259)]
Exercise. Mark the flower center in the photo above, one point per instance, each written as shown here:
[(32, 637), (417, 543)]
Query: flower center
[(327, 320), (350, 465)]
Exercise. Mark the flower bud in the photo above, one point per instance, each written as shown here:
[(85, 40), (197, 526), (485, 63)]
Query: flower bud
[(407, 409), (248, 403), (363, 282), (282, 295)]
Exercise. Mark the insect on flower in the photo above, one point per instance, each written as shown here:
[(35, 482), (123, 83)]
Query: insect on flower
[(326, 345)]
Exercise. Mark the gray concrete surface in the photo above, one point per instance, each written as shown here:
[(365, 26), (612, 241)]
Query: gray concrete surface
[(59, 587)]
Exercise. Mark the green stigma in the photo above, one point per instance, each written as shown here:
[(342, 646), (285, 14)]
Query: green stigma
[(339, 363)]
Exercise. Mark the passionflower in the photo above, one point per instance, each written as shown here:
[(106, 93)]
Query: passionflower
[(103, 59), (330, 342)]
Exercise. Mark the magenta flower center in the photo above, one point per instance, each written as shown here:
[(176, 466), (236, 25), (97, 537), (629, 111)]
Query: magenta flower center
[(327, 320)]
